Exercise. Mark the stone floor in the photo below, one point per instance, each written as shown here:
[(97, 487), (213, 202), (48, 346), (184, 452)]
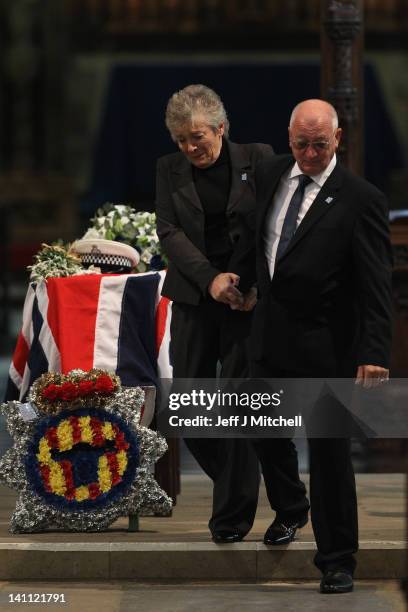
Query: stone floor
[(383, 596), (381, 515), (178, 548)]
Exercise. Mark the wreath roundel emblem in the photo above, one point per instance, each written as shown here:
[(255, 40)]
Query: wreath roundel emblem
[(82, 459)]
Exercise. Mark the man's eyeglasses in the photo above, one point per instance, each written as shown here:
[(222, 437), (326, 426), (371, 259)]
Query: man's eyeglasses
[(319, 145)]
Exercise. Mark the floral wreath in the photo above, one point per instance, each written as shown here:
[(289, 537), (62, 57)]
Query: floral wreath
[(80, 459), (123, 223), (70, 477), (53, 392)]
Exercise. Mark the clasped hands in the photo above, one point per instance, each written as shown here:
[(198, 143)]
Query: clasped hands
[(224, 288)]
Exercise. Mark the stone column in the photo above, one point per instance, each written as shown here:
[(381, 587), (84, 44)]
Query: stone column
[(342, 73)]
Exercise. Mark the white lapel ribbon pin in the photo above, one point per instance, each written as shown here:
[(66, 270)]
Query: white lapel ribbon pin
[(328, 200), (244, 176)]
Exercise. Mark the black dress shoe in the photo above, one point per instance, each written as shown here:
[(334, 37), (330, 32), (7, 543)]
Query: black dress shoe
[(280, 533), (336, 581), (226, 537)]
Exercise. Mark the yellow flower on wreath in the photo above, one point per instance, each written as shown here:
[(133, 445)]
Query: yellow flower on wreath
[(81, 493), (86, 430), (122, 460), (104, 474), (44, 454), (64, 434), (57, 479)]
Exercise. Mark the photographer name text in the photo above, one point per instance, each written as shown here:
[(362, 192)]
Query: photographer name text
[(236, 421)]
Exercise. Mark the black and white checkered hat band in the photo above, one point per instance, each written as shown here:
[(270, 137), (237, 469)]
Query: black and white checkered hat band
[(102, 259)]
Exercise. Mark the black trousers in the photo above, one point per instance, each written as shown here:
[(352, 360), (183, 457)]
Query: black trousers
[(202, 336), (332, 488)]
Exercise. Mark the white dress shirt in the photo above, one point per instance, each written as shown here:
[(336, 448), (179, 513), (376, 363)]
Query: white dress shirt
[(280, 204)]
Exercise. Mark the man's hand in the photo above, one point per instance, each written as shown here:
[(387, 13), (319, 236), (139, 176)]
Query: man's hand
[(223, 288), (249, 300), (371, 376)]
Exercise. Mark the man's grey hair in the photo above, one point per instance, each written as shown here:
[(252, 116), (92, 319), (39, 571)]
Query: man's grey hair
[(192, 101), (330, 110)]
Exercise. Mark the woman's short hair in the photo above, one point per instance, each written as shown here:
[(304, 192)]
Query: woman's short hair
[(194, 100)]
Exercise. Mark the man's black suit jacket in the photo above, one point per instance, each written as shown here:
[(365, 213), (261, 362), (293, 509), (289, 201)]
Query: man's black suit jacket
[(181, 222), (328, 307)]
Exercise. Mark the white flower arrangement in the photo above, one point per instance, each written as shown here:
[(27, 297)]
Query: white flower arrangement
[(138, 229), (56, 260)]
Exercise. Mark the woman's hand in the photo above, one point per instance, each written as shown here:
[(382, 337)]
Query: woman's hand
[(223, 288)]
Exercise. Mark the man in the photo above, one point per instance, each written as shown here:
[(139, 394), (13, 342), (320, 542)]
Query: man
[(205, 206), (324, 308)]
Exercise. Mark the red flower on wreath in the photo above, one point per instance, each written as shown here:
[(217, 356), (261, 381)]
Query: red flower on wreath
[(104, 384), (86, 387), (51, 392), (120, 441), (69, 391), (94, 490), (98, 438)]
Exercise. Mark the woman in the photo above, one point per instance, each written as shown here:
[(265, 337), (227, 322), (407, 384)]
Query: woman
[(205, 206)]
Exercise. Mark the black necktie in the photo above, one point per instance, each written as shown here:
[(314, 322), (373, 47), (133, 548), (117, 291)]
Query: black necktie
[(289, 224)]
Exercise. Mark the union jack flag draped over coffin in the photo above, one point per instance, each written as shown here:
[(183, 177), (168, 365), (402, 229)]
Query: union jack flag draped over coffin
[(119, 323)]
